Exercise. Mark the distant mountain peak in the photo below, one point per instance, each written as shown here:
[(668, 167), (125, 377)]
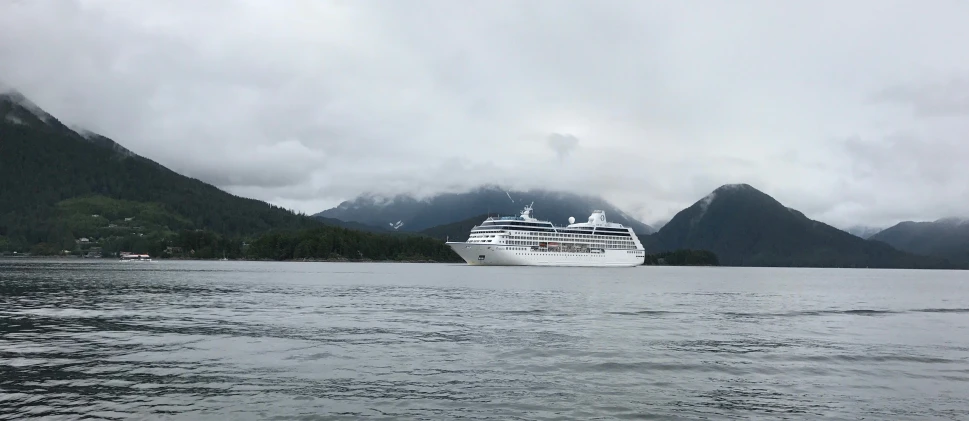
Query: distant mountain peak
[(725, 191), (747, 227), (738, 191), (734, 187), (414, 215)]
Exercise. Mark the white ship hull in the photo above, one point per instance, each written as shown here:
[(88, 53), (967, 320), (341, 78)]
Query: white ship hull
[(499, 255)]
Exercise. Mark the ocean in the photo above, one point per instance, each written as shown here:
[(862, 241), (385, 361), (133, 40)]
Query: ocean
[(193, 340)]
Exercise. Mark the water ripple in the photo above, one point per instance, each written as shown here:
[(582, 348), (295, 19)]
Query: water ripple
[(205, 340)]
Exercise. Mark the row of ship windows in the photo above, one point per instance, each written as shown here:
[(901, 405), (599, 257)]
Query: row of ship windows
[(529, 243), (520, 224), (600, 231), (478, 234), (546, 253), (549, 234), (567, 254), (617, 244), (545, 225), (609, 246), (564, 238)]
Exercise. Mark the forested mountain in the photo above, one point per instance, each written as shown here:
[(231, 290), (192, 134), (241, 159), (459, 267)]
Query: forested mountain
[(455, 231), (948, 237), (745, 227), (78, 191), (353, 225), (332, 243), (72, 190), (44, 165), (406, 213)]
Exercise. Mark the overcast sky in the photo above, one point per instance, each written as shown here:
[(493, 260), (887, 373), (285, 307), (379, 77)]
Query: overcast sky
[(850, 111)]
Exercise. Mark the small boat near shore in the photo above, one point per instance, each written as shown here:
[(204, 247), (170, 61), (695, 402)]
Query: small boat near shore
[(132, 257)]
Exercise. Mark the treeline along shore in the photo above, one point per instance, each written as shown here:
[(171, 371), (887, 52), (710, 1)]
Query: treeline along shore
[(316, 244)]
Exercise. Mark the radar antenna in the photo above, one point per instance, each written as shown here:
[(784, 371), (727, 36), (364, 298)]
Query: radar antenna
[(527, 212)]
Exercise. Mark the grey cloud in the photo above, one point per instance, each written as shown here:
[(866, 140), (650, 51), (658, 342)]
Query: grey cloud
[(306, 104), (905, 177), (276, 166), (903, 158), (562, 144), (932, 99)]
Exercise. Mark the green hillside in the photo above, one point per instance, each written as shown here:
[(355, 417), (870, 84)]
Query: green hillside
[(55, 179), (334, 243), (87, 195), (43, 164)]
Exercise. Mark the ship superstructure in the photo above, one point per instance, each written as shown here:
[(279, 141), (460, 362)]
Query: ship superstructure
[(526, 241)]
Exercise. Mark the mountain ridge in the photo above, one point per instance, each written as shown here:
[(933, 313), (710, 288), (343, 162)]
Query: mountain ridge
[(44, 162), (944, 237), (751, 229), (746, 227), (405, 212)]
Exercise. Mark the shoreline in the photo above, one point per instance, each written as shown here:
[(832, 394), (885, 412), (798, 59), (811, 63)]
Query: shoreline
[(21, 257), (12, 257)]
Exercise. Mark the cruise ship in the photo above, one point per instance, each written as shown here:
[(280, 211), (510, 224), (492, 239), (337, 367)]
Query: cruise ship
[(525, 241)]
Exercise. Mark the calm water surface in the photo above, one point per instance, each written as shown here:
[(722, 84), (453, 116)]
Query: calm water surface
[(304, 341)]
